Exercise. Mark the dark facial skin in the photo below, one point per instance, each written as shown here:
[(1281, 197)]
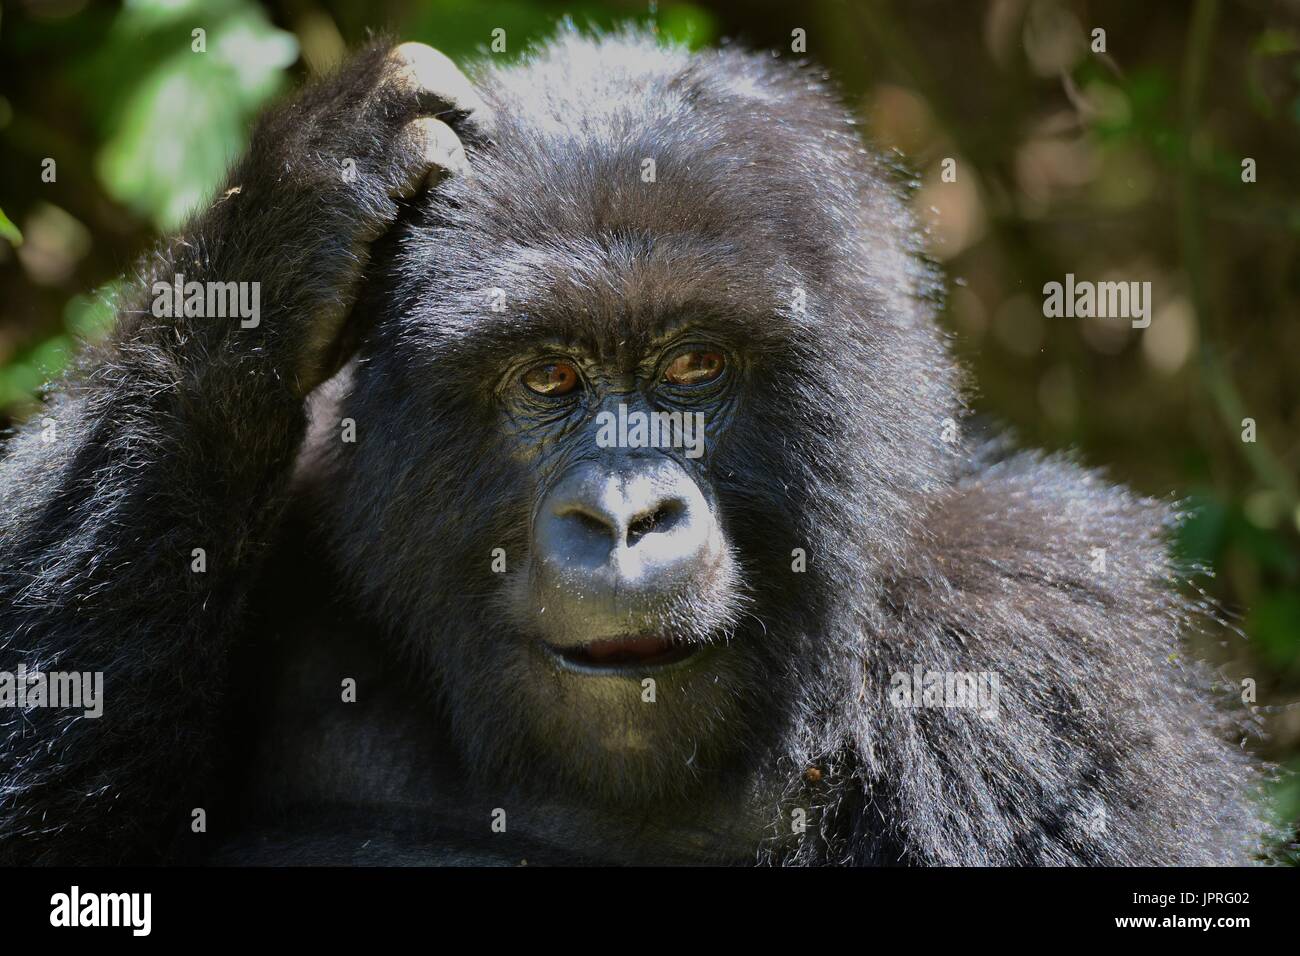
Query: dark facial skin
[(626, 543), (629, 576)]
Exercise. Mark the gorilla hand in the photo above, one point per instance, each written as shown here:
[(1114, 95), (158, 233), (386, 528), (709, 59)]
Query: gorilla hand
[(320, 184)]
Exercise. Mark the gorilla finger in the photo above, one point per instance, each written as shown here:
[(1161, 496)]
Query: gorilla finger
[(433, 77), (432, 150)]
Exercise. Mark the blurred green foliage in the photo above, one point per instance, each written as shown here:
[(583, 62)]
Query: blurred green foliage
[(8, 230), (171, 121), (1126, 163)]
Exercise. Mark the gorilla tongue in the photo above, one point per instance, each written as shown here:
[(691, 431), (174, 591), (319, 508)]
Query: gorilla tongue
[(642, 649)]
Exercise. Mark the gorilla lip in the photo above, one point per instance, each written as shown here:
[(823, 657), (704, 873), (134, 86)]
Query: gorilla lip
[(634, 652)]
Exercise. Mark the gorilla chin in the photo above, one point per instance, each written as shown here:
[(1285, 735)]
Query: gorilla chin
[(628, 722)]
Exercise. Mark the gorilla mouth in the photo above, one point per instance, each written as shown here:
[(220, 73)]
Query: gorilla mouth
[(634, 653)]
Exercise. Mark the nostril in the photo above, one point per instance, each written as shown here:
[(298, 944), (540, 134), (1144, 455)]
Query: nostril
[(641, 527), (590, 522), (660, 519)]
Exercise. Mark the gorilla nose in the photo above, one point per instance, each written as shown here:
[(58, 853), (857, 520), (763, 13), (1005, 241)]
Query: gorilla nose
[(642, 526)]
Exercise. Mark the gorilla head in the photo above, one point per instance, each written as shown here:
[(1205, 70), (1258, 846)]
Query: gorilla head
[(650, 241)]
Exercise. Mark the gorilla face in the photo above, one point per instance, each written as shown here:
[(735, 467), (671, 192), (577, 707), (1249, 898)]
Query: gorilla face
[(623, 605), (628, 568), (580, 547), (625, 443)]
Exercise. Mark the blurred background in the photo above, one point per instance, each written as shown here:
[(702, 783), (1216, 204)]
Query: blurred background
[(1164, 149)]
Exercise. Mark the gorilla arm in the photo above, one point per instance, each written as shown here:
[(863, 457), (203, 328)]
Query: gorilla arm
[(1103, 748), (137, 506)]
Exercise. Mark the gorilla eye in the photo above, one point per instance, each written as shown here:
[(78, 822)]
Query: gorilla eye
[(694, 368), (551, 378)]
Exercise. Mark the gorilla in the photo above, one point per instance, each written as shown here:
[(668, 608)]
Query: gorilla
[(589, 487)]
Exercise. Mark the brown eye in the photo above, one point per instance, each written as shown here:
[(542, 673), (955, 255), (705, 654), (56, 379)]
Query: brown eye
[(551, 378), (694, 368)]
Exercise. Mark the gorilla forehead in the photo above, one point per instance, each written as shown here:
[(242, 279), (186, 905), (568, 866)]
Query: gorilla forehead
[(744, 207), (741, 145), (623, 293)]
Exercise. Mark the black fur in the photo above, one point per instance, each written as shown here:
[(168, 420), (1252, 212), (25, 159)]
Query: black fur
[(922, 553)]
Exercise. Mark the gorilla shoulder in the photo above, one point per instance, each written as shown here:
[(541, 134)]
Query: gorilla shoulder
[(1103, 736)]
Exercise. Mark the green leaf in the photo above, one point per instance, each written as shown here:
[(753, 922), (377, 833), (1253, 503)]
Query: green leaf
[(1201, 536), (1274, 42), (30, 370), (1286, 806), (1274, 629), (183, 115), (687, 25), (9, 231), (462, 29), (90, 317)]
